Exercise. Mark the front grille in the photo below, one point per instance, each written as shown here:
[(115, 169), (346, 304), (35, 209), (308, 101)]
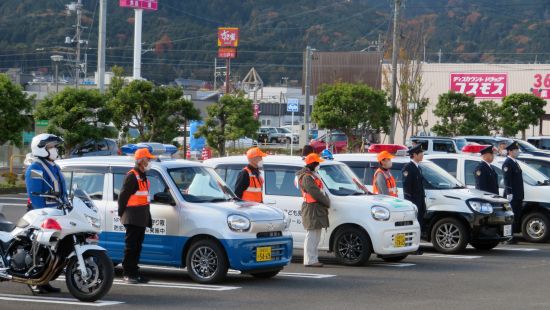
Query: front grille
[(269, 234), (277, 252), (409, 237), (403, 223)]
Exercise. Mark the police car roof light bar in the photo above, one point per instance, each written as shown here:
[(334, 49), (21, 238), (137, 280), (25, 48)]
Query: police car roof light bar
[(390, 148), (473, 148), (156, 149)]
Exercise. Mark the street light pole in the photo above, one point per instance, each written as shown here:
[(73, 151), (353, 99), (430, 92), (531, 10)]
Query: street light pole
[(101, 45), (56, 60), (397, 5)]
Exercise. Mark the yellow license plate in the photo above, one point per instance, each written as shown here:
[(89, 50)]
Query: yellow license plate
[(263, 254), (399, 241)]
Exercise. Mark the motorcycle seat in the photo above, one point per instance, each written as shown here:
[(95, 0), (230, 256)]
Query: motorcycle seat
[(5, 225)]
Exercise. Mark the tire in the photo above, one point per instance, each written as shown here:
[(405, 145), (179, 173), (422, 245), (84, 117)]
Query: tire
[(206, 262), (101, 274), (266, 274), (394, 259), (274, 141), (484, 245), (449, 236), (288, 141), (535, 227), (352, 247)]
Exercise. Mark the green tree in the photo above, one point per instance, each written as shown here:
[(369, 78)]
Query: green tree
[(156, 112), (519, 111), (459, 115), (351, 108), (77, 115), (117, 82), (15, 106), (231, 118)]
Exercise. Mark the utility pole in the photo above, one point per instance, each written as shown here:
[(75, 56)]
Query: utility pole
[(307, 89), (78, 35), (439, 54), (101, 45), (227, 73), (397, 5), (215, 72)]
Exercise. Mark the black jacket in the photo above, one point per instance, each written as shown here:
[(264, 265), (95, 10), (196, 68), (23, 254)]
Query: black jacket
[(243, 180), (486, 178), (413, 186), (513, 180), (140, 216)]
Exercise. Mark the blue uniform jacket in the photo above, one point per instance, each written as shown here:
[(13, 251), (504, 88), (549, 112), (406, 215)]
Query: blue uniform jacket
[(38, 186)]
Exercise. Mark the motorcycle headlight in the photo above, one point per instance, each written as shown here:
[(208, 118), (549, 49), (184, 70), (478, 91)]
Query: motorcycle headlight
[(286, 218), (480, 206), (95, 222), (380, 213), (238, 223)]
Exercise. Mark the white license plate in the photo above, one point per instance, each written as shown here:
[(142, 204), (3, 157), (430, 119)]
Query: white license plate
[(507, 230)]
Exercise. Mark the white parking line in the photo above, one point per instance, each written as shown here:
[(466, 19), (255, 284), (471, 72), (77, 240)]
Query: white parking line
[(450, 256), (13, 198), (55, 300), (236, 272), (517, 249), (188, 286), (399, 265), (9, 204)]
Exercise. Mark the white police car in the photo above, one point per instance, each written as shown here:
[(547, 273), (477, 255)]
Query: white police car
[(360, 225), (535, 217), (197, 222), (455, 215)]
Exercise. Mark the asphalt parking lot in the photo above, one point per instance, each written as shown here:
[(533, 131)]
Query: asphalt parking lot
[(509, 277)]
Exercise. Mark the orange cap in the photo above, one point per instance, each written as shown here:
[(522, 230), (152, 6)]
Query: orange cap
[(384, 155), (143, 153), (255, 152), (313, 158)]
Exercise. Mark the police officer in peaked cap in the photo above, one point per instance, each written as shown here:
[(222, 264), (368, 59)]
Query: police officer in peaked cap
[(485, 176), (513, 183)]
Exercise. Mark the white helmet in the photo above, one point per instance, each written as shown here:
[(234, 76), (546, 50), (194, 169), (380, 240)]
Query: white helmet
[(41, 142)]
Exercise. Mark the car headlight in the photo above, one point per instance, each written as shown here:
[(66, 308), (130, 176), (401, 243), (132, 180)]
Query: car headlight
[(94, 221), (286, 219), (380, 213), (238, 223), (480, 206)]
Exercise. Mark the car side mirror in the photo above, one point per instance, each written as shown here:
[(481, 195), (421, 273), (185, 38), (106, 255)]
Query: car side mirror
[(165, 198), (37, 174)]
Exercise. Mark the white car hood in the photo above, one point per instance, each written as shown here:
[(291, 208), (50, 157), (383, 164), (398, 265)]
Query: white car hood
[(255, 212), (469, 193), (393, 204)]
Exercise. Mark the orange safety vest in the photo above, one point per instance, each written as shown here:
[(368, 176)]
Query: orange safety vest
[(390, 183), (141, 197), (306, 196), (254, 190)]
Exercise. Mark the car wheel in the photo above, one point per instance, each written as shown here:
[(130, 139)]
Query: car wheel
[(352, 246), (273, 140), (206, 262), (265, 274), (449, 236), (394, 259), (485, 245), (535, 227)]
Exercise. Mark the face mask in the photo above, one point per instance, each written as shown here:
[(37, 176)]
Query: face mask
[(53, 154), (260, 164), (148, 166)]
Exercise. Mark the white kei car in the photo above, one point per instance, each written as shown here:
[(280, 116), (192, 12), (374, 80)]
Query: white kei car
[(360, 224)]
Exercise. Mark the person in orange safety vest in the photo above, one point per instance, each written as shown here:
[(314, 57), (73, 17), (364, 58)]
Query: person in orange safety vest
[(383, 181), (249, 181)]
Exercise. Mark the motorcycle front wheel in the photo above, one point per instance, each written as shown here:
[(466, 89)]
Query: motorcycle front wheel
[(98, 281)]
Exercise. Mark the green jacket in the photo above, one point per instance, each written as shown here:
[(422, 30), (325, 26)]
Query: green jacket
[(314, 215)]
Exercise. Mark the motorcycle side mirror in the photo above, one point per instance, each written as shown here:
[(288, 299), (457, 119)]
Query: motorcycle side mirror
[(37, 174)]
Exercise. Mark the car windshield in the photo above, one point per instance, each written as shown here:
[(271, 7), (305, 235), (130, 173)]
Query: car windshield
[(340, 180), (532, 176), (460, 143), (526, 146), (200, 184), (284, 130), (437, 178)]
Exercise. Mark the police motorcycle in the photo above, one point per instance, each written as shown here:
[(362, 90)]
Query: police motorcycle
[(46, 242)]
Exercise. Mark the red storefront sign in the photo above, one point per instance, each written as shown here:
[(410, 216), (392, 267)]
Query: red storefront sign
[(227, 52), (150, 5), (480, 85), (541, 85), (228, 37)]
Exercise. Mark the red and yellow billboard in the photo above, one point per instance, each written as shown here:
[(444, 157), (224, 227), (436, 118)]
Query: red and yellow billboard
[(228, 37)]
